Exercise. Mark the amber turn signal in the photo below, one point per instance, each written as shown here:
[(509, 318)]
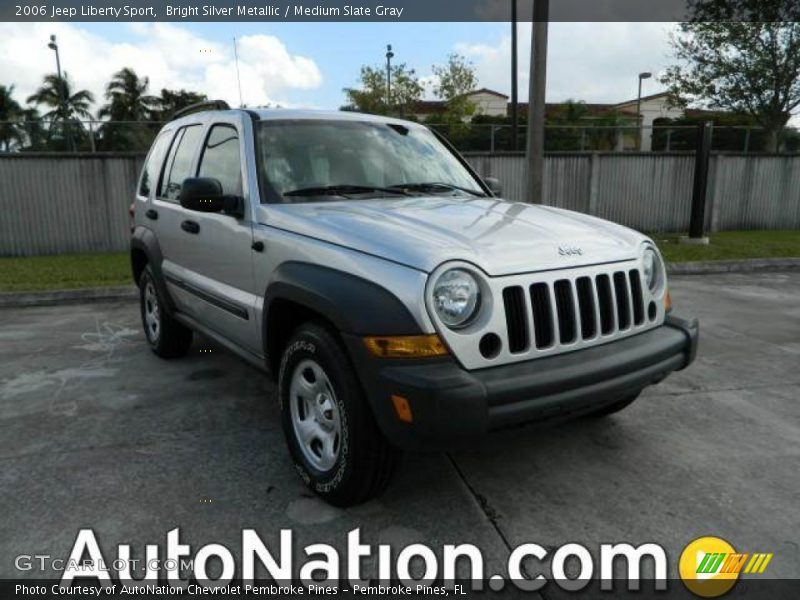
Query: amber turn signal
[(667, 301), (402, 409), (405, 346)]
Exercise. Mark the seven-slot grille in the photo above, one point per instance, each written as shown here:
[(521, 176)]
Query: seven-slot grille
[(568, 310)]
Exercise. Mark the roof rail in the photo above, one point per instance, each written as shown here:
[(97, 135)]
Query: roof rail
[(200, 107)]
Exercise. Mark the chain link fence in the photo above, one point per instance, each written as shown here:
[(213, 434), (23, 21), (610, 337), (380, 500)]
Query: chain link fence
[(136, 136)]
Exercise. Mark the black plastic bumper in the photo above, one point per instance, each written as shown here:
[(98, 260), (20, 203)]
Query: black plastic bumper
[(451, 405)]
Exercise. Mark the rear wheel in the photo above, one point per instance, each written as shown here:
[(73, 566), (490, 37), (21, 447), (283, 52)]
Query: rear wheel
[(331, 432), (615, 407), (167, 337)]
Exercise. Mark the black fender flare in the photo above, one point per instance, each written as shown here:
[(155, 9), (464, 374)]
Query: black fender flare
[(352, 304), (145, 240)]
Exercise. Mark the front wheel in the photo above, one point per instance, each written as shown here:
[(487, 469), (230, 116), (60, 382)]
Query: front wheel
[(331, 432)]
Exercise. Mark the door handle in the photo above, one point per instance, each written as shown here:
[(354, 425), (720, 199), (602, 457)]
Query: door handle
[(151, 214), (190, 227), (258, 246)]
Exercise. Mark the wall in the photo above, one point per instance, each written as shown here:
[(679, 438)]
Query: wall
[(653, 192), (65, 203), (55, 204)]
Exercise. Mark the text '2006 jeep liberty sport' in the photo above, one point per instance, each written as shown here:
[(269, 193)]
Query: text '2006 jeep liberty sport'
[(398, 303)]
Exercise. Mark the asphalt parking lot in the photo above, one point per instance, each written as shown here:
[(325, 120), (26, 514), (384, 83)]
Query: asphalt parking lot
[(98, 432)]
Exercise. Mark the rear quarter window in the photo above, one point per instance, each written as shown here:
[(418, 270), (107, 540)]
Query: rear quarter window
[(150, 171)]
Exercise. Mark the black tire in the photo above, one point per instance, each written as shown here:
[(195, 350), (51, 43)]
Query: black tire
[(364, 460), (615, 407), (167, 338)]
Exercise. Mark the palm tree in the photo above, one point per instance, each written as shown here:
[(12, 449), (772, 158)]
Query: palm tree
[(171, 101), (127, 101), (11, 134), (56, 93), (66, 106), (127, 97)]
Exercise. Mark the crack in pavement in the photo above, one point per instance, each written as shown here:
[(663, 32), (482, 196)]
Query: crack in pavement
[(491, 515)]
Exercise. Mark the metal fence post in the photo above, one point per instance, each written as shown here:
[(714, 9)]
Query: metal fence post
[(700, 186)]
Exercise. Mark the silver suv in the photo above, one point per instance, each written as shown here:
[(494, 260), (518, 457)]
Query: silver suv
[(397, 301)]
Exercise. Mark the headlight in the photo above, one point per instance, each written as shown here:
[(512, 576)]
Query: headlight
[(456, 297), (653, 270)]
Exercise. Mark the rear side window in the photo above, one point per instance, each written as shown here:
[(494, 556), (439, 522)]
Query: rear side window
[(221, 159), (151, 165), (179, 162)]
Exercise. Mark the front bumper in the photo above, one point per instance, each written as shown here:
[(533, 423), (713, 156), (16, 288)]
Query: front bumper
[(451, 406)]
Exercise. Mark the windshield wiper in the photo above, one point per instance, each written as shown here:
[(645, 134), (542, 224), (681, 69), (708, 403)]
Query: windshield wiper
[(422, 186), (344, 190)]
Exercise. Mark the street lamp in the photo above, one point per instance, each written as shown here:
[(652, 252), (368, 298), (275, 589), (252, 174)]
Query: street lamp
[(389, 57), (645, 75), (62, 90)]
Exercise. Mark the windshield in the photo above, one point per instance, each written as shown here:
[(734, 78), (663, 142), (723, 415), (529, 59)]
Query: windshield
[(312, 160)]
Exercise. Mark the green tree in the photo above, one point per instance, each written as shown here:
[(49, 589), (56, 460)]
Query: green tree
[(454, 81), (371, 97), (67, 107), (171, 101), (11, 132), (127, 97), (56, 93), (127, 100), (741, 56)]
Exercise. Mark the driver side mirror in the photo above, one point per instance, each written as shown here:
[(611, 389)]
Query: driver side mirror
[(494, 185), (204, 194)]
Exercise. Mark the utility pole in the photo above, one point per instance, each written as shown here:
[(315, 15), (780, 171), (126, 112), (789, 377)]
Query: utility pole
[(389, 57), (642, 76), (514, 75), (536, 102)]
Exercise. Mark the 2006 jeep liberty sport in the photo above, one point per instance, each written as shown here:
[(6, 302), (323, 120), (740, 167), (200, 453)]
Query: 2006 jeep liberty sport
[(398, 302)]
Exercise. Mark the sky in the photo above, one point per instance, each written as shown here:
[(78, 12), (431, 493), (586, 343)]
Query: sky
[(308, 64)]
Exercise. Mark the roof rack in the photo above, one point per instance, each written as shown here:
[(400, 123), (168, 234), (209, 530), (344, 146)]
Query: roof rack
[(200, 107)]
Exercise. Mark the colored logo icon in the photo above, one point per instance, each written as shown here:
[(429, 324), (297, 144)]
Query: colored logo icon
[(710, 566)]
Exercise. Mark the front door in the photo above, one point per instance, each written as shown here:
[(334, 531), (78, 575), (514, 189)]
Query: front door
[(210, 254)]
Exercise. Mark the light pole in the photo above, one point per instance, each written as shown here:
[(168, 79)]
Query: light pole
[(389, 57), (514, 88), (62, 91), (645, 75), (536, 99)]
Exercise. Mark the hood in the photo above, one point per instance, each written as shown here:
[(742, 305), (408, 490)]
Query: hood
[(500, 237)]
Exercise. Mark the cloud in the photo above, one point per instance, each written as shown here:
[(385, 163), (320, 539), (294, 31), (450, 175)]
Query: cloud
[(595, 62), (171, 56)]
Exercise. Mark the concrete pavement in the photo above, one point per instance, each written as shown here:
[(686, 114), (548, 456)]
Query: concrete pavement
[(98, 432)]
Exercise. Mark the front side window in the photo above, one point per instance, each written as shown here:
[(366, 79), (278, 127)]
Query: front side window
[(221, 159), (179, 162), (302, 160)]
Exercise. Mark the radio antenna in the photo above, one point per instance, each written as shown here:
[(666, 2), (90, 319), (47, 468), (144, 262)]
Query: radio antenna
[(238, 77)]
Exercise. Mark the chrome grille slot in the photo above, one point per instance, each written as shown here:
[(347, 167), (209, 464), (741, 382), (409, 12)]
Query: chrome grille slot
[(516, 319), (542, 315), (623, 300), (566, 311)]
